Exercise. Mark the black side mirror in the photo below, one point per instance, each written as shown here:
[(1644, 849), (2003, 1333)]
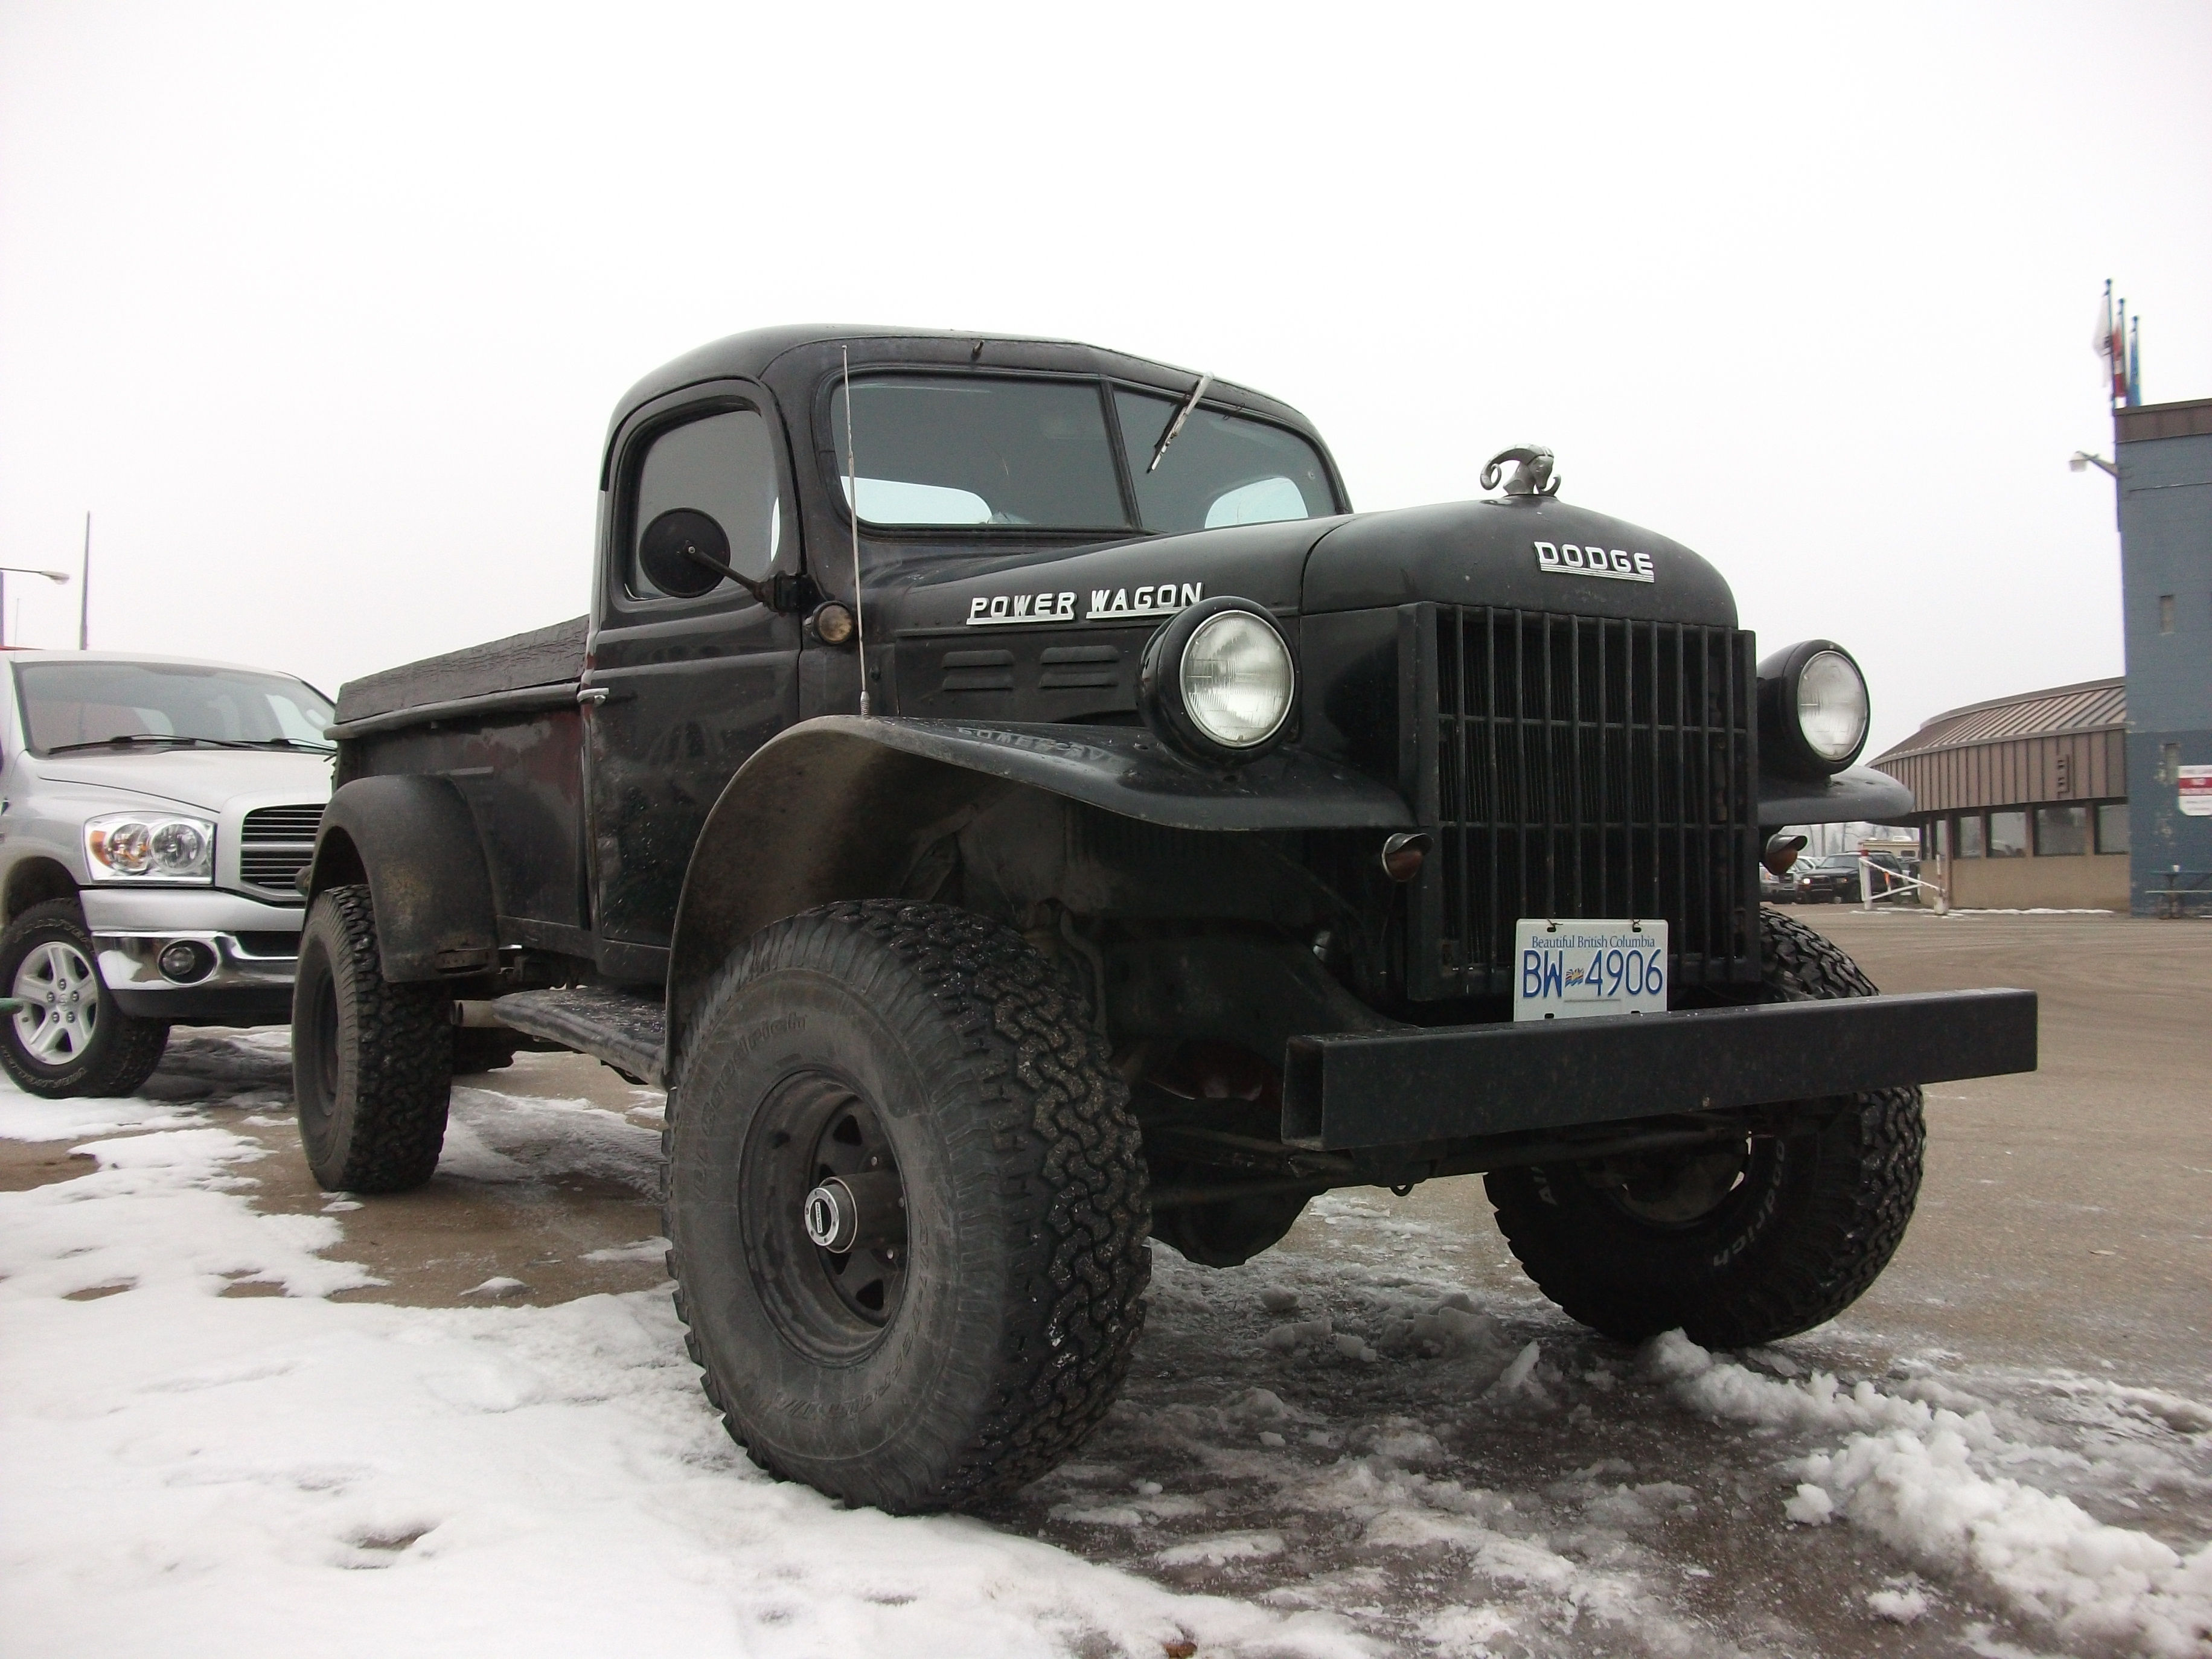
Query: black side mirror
[(685, 554)]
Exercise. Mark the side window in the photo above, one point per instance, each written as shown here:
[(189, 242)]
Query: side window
[(722, 467)]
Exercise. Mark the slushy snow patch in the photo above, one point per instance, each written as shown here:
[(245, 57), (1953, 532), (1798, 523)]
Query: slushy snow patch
[(1906, 1471), (193, 1474)]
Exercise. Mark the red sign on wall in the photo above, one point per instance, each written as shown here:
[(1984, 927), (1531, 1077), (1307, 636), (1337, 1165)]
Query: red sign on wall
[(2196, 791)]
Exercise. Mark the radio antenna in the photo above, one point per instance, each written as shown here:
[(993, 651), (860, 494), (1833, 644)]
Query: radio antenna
[(852, 510)]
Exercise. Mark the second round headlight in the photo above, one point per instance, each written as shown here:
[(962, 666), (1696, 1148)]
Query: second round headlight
[(1236, 679), (1832, 705), (1219, 682)]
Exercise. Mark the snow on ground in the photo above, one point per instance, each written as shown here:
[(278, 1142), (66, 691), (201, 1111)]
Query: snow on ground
[(1342, 1448)]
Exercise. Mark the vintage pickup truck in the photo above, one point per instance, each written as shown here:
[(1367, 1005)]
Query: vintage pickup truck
[(1018, 809)]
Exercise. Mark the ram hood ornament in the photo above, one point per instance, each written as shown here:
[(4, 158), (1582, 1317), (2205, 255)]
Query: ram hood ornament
[(1532, 476)]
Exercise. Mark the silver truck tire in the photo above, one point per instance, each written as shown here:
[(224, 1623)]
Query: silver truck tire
[(71, 1039), (977, 1321), (372, 1061)]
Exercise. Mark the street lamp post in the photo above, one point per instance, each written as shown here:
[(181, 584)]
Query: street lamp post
[(21, 570)]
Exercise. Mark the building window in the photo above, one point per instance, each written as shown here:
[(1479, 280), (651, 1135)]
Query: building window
[(1966, 836), (2112, 826), (2169, 763), (2008, 834), (2166, 613), (2062, 832)]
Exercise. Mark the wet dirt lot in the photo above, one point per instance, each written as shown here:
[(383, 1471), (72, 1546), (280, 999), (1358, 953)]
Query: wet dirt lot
[(1380, 1419)]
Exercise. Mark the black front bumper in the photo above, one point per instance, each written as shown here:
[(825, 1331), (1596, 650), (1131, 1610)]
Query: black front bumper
[(1462, 1082)]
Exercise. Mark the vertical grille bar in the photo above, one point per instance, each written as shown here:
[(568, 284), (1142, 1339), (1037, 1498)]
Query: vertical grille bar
[(1618, 753)]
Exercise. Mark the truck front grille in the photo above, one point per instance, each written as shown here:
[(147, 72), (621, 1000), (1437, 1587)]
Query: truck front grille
[(1582, 766), (275, 843)]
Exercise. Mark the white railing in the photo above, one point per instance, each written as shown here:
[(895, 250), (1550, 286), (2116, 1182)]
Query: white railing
[(1896, 882)]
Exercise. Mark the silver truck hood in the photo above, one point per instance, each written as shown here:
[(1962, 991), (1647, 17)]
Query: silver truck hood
[(205, 779)]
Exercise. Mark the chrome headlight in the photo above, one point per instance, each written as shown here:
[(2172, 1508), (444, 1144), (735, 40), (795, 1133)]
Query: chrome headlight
[(1813, 708), (1218, 681), (149, 846)]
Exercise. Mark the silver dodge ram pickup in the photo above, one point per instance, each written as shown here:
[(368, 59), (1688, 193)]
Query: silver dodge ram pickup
[(154, 812)]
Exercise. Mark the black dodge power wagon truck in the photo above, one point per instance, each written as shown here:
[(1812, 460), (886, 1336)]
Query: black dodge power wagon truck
[(1019, 809)]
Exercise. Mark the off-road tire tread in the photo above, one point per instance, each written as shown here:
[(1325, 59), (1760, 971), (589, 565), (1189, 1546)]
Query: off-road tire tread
[(134, 1046), (1068, 1129), (405, 1079), (1870, 1156)]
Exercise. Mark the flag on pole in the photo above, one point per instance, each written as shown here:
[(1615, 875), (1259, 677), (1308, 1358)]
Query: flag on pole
[(2101, 341), (2111, 344), (2135, 361)]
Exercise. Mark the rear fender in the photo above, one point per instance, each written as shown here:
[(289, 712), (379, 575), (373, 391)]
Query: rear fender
[(412, 841), (841, 808)]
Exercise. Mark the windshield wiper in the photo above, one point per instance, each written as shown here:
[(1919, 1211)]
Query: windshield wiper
[(1175, 426), (131, 740), (170, 739)]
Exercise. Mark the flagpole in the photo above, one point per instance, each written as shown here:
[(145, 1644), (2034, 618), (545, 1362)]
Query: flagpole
[(84, 591)]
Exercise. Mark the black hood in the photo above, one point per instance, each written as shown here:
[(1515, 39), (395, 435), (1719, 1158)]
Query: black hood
[(1535, 555)]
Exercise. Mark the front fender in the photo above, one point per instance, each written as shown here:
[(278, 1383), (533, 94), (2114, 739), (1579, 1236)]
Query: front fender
[(1859, 795), (839, 807)]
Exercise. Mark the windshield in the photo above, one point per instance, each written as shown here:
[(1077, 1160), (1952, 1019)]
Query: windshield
[(68, 704), (940, 451)]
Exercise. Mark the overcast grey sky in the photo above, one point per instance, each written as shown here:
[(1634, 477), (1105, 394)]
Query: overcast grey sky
[(322, 309)]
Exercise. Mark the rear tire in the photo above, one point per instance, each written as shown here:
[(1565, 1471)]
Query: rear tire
[(1737, 1244), (71, 1040), (982, 1323), (372, 1061)]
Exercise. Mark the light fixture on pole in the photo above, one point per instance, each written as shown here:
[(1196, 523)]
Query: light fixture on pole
[(2082, 460), (21, 570)]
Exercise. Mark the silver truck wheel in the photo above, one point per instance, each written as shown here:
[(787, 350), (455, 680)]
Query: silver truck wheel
[(372, 1061), (906, 1202), (1739, 1242), (69, 1038)]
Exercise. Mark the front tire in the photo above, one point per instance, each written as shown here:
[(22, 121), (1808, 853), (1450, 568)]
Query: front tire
[(71, 1039), (979, 1321), (1736, 1244), (372, 1061)]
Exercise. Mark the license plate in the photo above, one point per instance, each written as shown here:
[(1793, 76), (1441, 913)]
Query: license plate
[(1574, 970)]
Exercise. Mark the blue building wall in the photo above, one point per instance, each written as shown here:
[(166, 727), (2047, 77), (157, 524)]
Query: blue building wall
[(2164, 458)]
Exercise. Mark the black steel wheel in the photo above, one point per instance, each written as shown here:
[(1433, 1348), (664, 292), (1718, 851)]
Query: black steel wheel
[(372, 1061), (1739, 1242), (69, 1038), (905, 1200)]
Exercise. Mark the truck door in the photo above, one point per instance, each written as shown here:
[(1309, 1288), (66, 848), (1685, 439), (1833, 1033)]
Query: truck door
[(681, 689)]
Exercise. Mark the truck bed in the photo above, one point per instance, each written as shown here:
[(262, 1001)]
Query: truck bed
[(545, 656)]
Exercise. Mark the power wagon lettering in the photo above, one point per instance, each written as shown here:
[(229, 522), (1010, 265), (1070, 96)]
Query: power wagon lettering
[(1155, 599), (1566, 559)]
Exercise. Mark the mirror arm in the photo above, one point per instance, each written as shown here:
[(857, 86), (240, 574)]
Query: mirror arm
[(779, 593)]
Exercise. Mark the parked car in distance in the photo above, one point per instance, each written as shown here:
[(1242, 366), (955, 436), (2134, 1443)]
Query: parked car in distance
[(153, 813), (1833, 880), (1776, 890)]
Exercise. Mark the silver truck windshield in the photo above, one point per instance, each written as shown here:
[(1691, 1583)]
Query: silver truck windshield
[(939, 450), (125, 705)]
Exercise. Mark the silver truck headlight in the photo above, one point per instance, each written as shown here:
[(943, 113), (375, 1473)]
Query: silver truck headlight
[(1218, 681), (149, 846), (1813, 708)]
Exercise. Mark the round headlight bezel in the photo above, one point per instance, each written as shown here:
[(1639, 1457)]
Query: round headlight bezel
[(1782, 690), (1164, 693)]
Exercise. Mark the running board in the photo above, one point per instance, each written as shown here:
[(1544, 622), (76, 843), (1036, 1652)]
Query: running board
[(623, 1029)]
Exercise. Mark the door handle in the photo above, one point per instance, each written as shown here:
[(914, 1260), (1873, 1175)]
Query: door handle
[(592, 697)]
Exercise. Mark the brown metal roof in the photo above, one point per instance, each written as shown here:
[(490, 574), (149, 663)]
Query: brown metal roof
[(2064, 745), (2092, 705)]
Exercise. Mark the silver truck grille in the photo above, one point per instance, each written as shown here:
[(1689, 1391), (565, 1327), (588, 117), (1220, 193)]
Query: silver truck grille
[(275, 843), (1582, 766)]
